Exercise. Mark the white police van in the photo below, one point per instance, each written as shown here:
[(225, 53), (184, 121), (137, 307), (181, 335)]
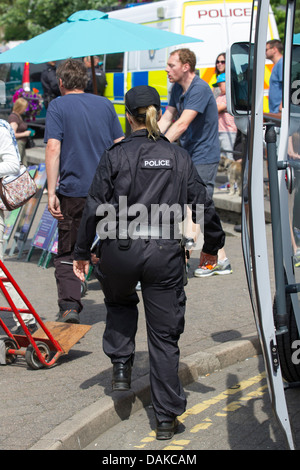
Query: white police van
[(272, 272), (217, 23)]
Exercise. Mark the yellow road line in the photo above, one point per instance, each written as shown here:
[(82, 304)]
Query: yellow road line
[(206, 404), (200, 407)]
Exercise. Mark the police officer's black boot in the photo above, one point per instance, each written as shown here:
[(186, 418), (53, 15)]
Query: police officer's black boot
[(121, 379), (166, 429)]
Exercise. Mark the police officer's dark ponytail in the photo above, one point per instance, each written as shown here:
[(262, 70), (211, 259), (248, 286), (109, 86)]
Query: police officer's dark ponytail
[(149, 116)]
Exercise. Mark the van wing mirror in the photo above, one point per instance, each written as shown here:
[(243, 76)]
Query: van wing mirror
[(239, 68)]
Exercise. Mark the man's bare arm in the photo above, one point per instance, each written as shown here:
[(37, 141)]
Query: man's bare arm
[(52, 159), (167, 118), (181, 125), (119, 139)]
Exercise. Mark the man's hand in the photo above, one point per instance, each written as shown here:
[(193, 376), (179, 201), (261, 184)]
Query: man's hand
[(81, 268), (207, 261), (54, 207)]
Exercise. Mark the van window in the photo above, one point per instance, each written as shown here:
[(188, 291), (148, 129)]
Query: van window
[(4, 72), (241, 75), (16, 72), (35, 71), (114, 62)]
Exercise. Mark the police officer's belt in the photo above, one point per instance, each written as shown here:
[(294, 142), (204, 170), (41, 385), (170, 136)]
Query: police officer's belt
[(149, 231)]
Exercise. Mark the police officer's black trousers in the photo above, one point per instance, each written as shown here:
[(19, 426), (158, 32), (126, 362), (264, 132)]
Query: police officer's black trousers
[(159, 265)]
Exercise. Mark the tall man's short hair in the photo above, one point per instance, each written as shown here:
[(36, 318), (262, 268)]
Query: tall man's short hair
[(73, 74)]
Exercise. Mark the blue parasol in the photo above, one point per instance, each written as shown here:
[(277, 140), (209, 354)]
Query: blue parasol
[(91, 32)]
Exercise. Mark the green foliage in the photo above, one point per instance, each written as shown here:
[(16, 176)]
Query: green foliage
[(278, 7), (24, 19)]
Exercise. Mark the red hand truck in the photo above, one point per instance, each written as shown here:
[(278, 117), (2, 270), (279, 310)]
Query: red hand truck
[(40, 349)]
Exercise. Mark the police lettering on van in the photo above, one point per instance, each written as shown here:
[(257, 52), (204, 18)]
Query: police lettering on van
[(215, 13)]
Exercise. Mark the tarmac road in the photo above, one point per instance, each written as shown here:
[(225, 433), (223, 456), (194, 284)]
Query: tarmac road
[(229, 409)]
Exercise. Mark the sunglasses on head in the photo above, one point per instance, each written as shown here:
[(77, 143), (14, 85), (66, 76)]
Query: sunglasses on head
[(220, 61)]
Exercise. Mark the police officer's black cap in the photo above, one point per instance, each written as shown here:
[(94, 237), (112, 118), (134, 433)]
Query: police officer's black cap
[(141, 96)]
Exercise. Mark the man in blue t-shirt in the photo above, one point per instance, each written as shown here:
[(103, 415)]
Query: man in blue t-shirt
[(194, 107), (274, 50), (79, 127)]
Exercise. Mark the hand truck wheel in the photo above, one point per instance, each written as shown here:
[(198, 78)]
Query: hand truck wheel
[(31, 357), (83, 288), (10, 344)]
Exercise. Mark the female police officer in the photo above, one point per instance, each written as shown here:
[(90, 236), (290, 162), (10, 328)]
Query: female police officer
[(135, 177)]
